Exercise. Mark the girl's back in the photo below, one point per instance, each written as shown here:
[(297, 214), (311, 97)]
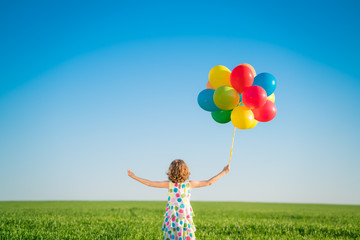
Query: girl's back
[(178, 222)]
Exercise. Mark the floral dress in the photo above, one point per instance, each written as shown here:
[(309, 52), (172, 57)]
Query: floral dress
[(178, 223)]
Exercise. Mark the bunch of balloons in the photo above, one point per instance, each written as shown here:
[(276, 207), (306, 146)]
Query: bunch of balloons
[(239, 96)]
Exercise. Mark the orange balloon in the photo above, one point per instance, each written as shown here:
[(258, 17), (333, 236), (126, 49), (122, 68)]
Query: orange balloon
[(249, 66), (208, 85)]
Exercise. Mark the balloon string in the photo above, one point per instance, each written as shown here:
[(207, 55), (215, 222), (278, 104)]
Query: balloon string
[(232, 144)]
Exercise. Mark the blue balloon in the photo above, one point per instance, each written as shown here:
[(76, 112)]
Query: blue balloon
[(267, 81), (206, 101)]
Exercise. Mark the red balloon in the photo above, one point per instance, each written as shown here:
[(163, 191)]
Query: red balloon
[(265, 113), (254, 97), (241, 77)]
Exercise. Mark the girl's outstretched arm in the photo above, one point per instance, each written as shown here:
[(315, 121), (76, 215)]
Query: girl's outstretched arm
[(197, 184), (163, 184)]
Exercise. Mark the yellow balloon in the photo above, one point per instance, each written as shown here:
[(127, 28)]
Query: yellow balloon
[(219, 76), (249, 66), (271, 97), (254, 123), (226, 98), (243, 118)]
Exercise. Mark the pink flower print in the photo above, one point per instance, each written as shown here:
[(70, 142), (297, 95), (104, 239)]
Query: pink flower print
[(188, 216), (179, 234), (176, 184), (173, 219), (178, 195), (188, 238), (181, 210)]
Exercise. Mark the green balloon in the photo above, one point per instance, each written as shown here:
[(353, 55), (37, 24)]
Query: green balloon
[(222, 116), (226, 98)]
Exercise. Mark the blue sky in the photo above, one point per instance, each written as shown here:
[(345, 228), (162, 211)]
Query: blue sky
[(88, 90)]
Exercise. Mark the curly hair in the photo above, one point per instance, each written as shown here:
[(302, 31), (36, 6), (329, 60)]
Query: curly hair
[(178, 171)]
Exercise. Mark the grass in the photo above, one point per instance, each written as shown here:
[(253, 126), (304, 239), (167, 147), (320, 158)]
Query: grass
[(142, 220)]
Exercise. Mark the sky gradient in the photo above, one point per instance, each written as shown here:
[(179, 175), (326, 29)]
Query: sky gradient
[(88, 90)]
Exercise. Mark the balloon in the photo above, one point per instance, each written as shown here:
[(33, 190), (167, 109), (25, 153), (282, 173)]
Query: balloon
[(265, 113), (206, 100), (254, 123), (249, 66), (241, 77), (254, 97), (267, 81), (271, 97), (222, 116), (243, 118), (226, 98), (219, 76), (208, 85)]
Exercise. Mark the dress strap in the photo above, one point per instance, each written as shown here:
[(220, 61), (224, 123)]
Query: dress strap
[(186, 181)]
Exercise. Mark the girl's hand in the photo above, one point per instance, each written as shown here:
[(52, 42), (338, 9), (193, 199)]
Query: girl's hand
[(226, 169), (130, 173)]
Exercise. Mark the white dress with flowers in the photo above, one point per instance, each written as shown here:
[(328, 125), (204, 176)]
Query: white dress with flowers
[(178, 223)]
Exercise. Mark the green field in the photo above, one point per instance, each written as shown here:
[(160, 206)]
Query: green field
[(142, 220)]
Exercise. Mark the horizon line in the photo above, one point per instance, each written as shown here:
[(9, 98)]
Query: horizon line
[(295, 203)]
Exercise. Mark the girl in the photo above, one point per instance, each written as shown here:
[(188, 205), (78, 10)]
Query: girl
[(178, 223)]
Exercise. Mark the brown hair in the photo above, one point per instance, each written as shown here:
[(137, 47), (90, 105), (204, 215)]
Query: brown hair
[(178, 171)]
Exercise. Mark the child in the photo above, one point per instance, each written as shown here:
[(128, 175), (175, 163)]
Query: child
[(178, 223)]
